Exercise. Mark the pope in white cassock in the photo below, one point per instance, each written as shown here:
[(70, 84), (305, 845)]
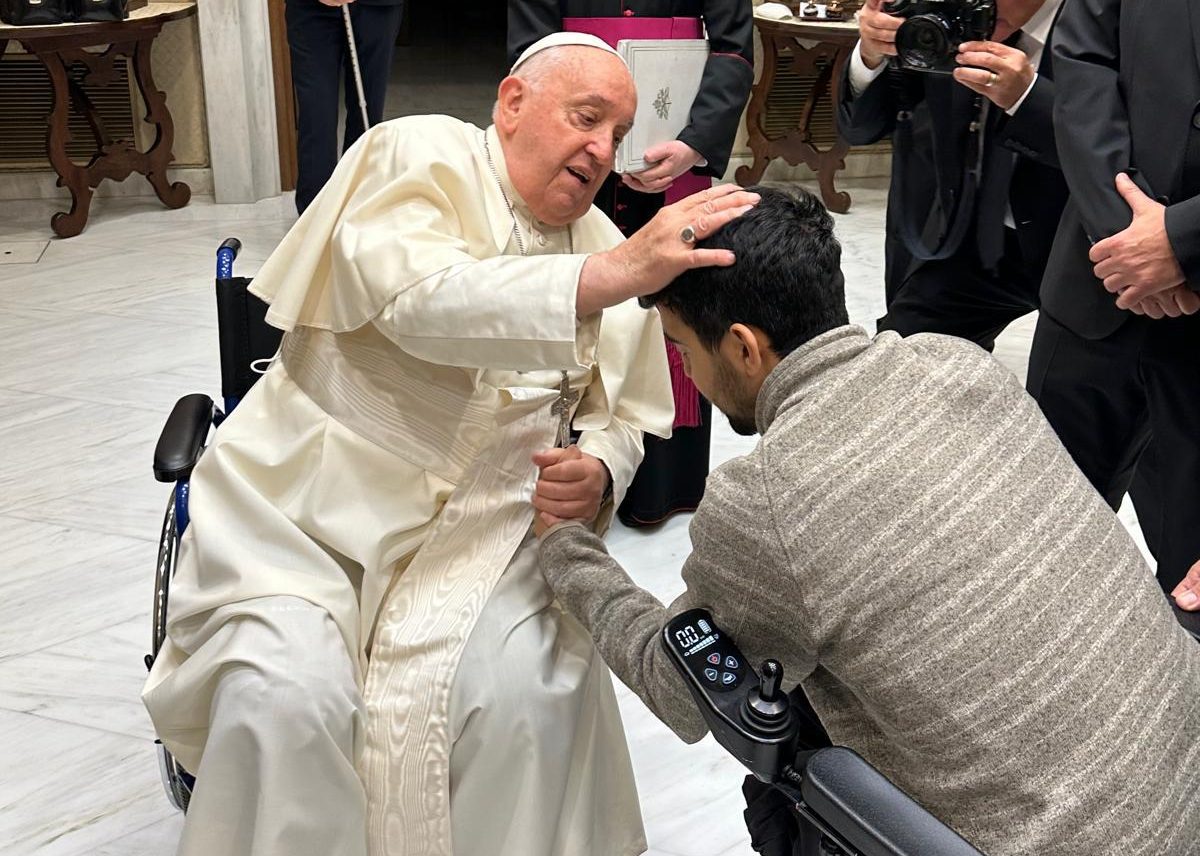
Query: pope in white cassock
[(361, 654)]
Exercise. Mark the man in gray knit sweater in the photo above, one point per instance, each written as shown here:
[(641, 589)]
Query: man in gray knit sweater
[(912, 542)]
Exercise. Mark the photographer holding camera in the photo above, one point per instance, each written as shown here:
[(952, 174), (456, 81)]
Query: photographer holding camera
[(966, 90)]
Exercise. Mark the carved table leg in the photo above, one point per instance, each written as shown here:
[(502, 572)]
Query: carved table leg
[(828, 163), (834, 158), (756, 115), (158, 156), (810, 55), (84, 106), (66, 224)]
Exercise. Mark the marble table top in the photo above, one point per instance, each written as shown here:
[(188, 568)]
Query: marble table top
[(168, 10)]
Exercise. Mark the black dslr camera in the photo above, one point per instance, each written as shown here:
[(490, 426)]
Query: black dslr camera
[(928, 39)]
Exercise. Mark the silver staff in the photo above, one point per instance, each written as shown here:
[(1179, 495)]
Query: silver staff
[(358, 84)]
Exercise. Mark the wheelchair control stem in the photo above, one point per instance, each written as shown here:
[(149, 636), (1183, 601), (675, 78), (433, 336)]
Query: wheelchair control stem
[(766, 708), (772, 677)]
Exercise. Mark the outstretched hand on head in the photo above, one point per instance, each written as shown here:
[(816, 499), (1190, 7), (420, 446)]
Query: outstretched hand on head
[(662, 249)]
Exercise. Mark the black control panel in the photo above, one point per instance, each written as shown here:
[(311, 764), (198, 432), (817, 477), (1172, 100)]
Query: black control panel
[(749, 716), (710, 658), (844, 805)]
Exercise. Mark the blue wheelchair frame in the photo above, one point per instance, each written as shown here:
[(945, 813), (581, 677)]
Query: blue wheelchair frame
[(245, 339)]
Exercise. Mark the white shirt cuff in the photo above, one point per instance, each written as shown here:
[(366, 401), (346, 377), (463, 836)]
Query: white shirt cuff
[(1012, 111), (860, 76)]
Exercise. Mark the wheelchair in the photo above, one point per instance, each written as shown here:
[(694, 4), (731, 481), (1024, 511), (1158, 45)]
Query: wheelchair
[(246, 340)]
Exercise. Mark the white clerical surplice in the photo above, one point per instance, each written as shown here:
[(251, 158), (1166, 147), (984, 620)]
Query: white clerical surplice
[(381, 471)]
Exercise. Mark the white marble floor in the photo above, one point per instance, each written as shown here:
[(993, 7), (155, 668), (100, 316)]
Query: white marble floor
[(98, 336)]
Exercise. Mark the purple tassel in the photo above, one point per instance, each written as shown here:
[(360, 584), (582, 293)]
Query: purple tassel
[(687, 397)]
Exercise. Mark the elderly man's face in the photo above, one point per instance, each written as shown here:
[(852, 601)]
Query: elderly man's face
[(563, 133)]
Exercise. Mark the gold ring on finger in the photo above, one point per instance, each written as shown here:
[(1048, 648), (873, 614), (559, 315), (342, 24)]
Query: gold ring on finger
[(992, 78), (687, 234)]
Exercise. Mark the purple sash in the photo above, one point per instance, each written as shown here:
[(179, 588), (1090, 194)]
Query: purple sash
[(612, 30)]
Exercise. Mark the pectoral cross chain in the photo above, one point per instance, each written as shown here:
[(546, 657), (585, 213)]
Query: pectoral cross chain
[(562, 409)]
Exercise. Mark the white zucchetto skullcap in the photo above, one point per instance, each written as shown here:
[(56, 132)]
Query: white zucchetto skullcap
[(555, 40)]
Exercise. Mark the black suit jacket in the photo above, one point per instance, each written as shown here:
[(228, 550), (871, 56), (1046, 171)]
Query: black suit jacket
[(728, 75), (1129, 96), (1020, 160)]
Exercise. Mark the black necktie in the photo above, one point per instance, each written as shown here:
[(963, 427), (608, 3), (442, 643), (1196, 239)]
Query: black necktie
[(998, 166)]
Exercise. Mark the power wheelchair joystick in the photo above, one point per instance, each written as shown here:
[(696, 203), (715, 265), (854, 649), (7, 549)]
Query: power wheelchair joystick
[(766, 706), (843, 804)]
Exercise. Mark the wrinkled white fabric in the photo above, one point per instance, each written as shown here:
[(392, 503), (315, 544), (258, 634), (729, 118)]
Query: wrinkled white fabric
[(394, 501), (278, 773), (564, 758)]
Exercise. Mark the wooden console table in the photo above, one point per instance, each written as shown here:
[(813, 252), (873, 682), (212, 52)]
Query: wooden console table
[(60, 46), (817, 47)]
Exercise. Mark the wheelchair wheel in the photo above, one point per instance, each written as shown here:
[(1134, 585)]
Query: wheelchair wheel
[(177, 781), (168, 542)]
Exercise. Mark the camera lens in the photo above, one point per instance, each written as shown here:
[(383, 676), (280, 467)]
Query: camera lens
[(923, 41)]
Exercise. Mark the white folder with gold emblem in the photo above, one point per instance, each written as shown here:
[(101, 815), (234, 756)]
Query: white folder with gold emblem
[(667, 75)]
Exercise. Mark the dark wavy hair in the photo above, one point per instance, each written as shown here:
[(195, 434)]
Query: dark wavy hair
[(787, 279)]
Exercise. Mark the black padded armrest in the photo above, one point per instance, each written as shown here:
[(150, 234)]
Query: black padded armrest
[(870, 812), (182, 438), (1189, 620)]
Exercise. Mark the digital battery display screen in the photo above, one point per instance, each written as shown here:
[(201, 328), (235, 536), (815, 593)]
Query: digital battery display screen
[(695, 637)]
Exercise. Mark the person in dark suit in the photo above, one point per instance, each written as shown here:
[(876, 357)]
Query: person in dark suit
[(1115, 362), (320, 55), (672, 476), (980, 207)]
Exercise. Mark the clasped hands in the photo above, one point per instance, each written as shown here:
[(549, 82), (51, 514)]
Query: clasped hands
[(1138, 264), (570, 486)]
